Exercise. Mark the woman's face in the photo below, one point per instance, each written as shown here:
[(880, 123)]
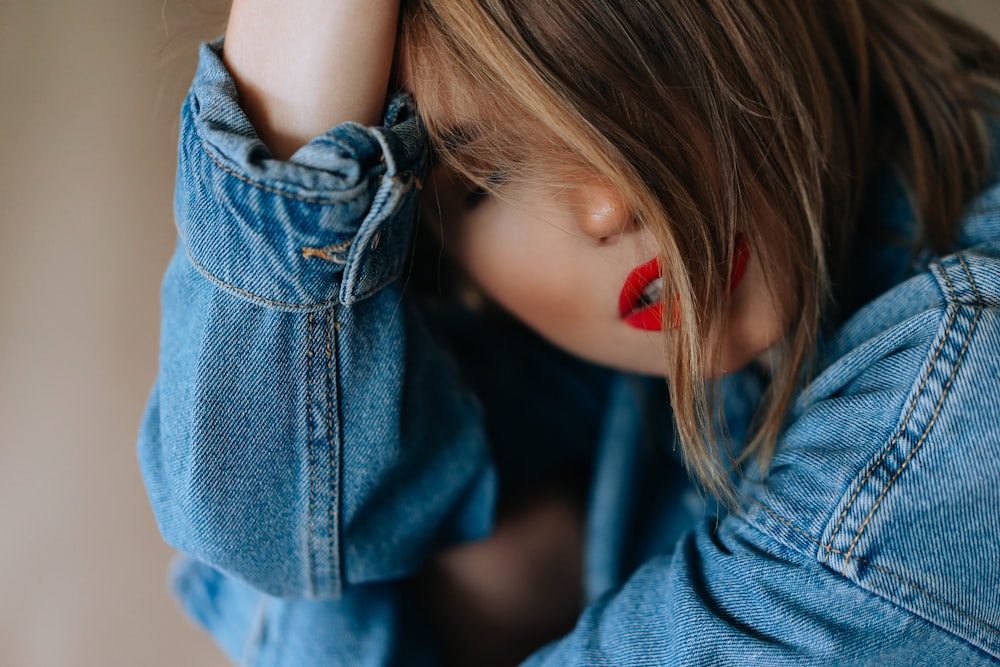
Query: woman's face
[(571, 263), (567, 260)]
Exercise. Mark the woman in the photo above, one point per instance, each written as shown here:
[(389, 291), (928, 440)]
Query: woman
[(765, 203)]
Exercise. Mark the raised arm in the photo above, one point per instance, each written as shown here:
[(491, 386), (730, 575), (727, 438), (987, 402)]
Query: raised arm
[(303, 66), (293, 440)]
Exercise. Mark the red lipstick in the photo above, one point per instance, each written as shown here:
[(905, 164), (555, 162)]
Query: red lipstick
[(741, 255), (640, 302), (639, 311)]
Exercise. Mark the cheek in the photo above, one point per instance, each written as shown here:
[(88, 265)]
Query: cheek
[(556, 283), (519, 264)]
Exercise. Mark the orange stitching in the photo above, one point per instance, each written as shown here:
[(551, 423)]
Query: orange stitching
[(327, 252), (923, 437), (899, 433), (250, 295)]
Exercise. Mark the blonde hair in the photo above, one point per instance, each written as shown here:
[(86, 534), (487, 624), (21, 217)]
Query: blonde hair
[(705, 113)]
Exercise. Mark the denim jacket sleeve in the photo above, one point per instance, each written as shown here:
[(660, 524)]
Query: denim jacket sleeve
[(281, 444)]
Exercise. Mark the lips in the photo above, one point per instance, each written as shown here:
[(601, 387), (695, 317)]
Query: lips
[(640, 303), (741, 255)]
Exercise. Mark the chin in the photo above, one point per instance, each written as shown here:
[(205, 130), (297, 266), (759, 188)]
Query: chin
[(619, 348), (652, 364)]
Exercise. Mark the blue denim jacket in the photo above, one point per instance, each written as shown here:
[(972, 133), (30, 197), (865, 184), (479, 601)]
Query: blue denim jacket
[(310, 441)]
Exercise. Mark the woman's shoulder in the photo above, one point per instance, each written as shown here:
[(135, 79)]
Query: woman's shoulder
[(887, 470)]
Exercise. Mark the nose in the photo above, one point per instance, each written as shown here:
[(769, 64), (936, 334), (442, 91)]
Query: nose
[(603, 213)]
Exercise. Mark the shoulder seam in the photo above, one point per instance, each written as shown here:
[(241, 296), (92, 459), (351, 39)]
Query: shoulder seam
[(937, 410), (895, 438)]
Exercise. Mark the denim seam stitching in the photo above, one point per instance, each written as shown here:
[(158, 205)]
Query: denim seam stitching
[(310, 432), (972, 281), (930, 423), (880, 568), (331, 518), (255, 297), (266, 188), (895, 438)]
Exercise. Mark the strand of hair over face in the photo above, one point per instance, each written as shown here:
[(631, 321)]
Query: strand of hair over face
[(714, 118)]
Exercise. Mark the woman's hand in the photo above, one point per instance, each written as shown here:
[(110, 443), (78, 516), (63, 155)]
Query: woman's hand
[(303, 66)]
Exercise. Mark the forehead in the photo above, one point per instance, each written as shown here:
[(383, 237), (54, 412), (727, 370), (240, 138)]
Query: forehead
[(479, 129)]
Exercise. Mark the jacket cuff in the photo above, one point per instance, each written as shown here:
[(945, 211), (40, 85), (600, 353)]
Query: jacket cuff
[(330, 224)]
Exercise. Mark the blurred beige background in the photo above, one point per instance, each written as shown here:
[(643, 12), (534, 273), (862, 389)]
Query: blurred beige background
[(89, 93)]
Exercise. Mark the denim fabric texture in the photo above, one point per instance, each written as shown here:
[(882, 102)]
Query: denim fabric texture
[(280, 445), (315, 432)]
